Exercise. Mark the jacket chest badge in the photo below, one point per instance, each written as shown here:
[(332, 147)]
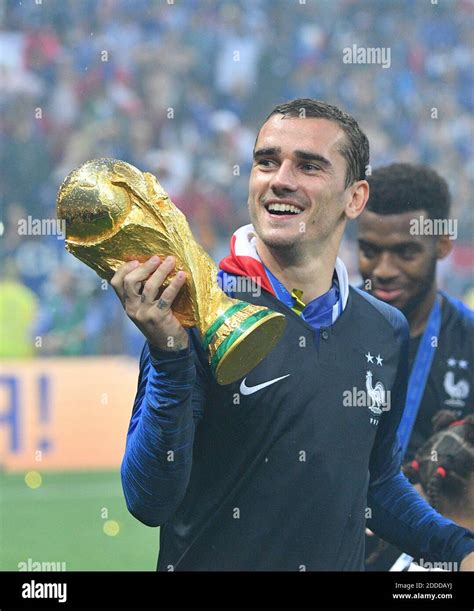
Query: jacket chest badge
[(375, 398), (376, 395), (458, 390)]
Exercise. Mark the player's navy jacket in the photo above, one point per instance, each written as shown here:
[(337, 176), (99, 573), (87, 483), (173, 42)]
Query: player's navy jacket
[(450, 383), (281, 477)]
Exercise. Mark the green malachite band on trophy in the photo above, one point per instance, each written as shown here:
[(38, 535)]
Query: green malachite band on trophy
[(219, 321), (234, 336)]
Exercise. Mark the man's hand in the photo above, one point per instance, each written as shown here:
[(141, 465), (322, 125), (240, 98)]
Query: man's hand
[(137, 287), (468, 563)]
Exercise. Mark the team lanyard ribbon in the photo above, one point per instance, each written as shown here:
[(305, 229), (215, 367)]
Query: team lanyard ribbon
[(419, 375)]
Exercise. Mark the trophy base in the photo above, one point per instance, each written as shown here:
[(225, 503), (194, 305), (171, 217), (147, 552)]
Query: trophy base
[(240, 339)]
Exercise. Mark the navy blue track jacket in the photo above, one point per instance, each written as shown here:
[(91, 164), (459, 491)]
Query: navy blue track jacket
[(279, 471)]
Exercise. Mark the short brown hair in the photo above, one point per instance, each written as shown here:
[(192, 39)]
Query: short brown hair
[(356, 148)]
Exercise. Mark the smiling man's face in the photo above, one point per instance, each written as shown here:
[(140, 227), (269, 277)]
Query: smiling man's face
[(401, 267), (296, 191)]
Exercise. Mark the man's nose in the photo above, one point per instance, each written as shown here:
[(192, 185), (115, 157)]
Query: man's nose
[(385, 269), (284, 178)]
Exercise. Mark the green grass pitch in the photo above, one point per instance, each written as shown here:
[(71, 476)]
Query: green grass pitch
[(78, 518)]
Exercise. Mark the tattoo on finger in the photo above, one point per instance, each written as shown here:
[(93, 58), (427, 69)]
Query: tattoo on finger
[(162, 304)]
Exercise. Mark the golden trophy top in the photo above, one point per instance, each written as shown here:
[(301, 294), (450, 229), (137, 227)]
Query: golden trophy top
[(115, 213), (98, 198)]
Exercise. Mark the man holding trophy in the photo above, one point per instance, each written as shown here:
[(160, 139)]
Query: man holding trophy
[(251, 459)]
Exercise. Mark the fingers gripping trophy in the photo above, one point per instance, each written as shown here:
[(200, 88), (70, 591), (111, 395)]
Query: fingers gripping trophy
[(121, 223)]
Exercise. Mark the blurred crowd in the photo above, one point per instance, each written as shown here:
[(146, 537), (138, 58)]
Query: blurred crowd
[(179, 88)]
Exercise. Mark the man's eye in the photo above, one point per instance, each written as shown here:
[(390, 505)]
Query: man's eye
[(407, 253), (368, 251), (265, 162), (309, 167)]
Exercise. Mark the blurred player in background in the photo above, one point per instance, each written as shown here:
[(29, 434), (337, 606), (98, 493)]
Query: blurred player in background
[(404, 231)]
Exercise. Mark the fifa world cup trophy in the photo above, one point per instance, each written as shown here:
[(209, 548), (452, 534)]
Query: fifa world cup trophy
[(115, 213)]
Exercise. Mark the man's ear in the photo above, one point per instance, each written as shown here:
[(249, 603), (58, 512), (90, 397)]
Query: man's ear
[(444, 246), (359, 194)]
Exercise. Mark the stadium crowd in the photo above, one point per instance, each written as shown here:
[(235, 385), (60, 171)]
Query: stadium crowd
[(178, 88)]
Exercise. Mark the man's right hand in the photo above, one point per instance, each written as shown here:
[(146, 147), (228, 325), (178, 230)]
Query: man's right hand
[(152, 314)]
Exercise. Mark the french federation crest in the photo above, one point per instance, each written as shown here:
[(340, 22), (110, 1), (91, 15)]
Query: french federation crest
[(375, 394), (457, 391)]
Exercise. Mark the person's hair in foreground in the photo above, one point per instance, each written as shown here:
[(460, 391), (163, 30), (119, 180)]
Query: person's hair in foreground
[(444, 465)]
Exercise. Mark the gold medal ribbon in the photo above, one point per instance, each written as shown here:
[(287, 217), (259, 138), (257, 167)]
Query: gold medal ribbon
[(299, 306)]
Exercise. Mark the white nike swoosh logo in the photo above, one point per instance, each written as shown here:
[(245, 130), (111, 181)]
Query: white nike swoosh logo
[(249, 390)]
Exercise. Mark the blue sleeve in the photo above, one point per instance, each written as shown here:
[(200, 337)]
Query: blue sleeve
[(398, 513), (158, 456)]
